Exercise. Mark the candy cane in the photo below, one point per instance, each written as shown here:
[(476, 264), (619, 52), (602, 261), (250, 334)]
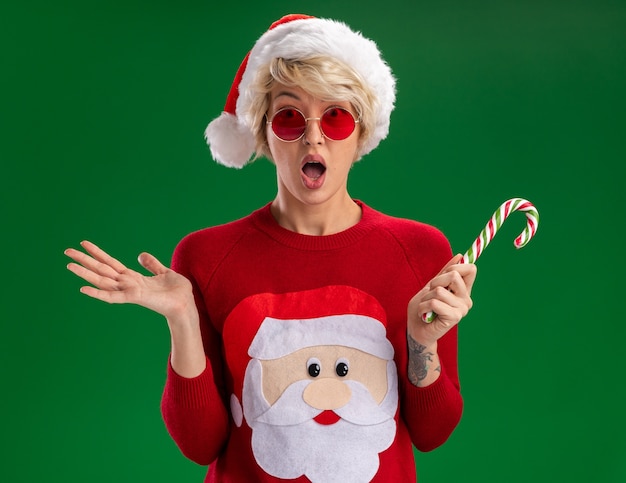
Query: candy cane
[(492, 227)]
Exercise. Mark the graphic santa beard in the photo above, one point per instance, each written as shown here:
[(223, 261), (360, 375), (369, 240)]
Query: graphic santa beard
[(287, 439)]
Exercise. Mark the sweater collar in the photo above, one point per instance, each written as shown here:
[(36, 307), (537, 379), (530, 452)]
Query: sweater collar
[(265, 221)]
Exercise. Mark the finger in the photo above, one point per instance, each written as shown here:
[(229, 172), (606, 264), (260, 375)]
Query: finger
[(91, 264), (456, 263), (447, 313), (451, 280), (103, 256), (150, 263), (442, 301), (102, 282), (467, 272), (445, 301), (453, 263), (442, 294), (456, 259), (469, 275), (111, 297)]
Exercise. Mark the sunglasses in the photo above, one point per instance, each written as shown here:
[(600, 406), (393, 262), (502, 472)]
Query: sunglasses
[(289, 124)]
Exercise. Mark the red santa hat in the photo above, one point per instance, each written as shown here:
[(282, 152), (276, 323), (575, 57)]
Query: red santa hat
[(230, 136)]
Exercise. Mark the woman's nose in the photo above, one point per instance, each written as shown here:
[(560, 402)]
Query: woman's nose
[(313, 132)]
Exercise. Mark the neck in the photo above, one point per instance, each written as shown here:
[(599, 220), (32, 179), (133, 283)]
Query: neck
[(328, 218)]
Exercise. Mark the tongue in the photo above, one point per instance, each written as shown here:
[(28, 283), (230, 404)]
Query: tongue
[(313, 170)]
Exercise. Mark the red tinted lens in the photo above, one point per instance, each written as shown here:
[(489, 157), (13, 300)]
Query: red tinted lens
[(288, 124), (337, 123)]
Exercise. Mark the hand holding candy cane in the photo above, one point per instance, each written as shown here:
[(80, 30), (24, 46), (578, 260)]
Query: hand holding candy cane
[(490, 230)]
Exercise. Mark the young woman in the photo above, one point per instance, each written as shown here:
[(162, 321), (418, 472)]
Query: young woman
[(298, 348)]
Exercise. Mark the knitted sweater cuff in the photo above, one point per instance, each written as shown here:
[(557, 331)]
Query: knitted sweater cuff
[(441, 393), (191, 393)]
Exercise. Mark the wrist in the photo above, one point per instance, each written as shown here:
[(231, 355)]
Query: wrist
[(422, 336), (424, 366), (184, 315), (187, 357)]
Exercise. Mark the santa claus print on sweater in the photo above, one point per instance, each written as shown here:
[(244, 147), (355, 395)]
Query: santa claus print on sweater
[(313, 382)]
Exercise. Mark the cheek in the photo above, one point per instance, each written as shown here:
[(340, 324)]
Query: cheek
[(352, 147), (279, 152), (349, 156)]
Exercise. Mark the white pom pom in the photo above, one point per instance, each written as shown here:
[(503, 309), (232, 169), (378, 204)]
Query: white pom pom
[(231, 143)]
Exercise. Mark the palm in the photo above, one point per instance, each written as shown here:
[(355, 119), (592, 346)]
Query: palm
[(166, 292)]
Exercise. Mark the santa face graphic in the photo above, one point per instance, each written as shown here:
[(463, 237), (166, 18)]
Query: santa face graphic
[(320, 395)]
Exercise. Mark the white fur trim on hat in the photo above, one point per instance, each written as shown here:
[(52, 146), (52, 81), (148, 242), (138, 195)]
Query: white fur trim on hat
[(277, 338), (232, 140)]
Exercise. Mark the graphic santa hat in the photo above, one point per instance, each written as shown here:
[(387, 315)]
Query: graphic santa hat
[(269, 326), (294, 37)]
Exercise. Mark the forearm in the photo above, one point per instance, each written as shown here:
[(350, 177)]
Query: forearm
[(424, 365), (188, 358), (195, 415), (433, 410), (192, 406), (432, 413)]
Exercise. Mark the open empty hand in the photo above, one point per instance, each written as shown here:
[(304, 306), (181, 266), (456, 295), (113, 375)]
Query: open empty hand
[(165, 292)]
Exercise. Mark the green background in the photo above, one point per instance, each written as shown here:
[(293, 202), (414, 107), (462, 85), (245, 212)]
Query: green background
[(103, 106)]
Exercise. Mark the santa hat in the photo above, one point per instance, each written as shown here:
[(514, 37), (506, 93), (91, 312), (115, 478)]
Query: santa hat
[(230, 136)]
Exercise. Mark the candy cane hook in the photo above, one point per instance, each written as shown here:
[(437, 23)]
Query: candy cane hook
[(492, 227)]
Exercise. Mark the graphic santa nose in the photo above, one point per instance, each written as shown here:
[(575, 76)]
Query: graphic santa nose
[(328, 391)]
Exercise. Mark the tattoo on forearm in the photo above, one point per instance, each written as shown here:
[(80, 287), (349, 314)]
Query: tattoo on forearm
[(419, 362)]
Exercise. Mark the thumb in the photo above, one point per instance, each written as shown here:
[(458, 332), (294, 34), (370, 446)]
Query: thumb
[(453, 261), (150, 263)]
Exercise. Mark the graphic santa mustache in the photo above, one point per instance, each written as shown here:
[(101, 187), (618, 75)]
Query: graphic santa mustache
[(320, 395)]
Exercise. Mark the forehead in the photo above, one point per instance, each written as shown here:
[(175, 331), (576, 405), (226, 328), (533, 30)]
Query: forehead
[(285, 94), (282, 93)]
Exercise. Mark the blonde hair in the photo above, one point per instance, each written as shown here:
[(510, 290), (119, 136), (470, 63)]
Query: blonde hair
[(323, 77)]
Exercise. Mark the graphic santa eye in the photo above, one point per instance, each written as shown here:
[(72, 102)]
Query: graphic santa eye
[(314, 367), (341, 367)]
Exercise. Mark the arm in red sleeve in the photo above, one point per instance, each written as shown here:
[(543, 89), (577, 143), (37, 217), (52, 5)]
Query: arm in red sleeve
[(193, 409), (432, 413), (195, 415)]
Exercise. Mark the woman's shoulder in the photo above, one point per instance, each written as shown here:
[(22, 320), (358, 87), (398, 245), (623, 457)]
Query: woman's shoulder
[(207, 246), (217, 233), (425, 247), (408, 231)]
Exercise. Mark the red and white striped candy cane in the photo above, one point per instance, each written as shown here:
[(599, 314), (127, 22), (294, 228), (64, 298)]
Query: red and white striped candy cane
[(492, 227)]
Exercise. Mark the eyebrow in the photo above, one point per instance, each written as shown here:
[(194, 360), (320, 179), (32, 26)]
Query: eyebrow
[(288, 94)]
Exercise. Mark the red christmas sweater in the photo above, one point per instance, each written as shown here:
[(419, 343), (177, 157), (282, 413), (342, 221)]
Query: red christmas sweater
[(305, 338)]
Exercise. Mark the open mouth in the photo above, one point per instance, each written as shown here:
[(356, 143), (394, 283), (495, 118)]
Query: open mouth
[(313, 170)]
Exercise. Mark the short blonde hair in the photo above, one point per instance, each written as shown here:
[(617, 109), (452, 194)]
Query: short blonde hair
[(323, 77)]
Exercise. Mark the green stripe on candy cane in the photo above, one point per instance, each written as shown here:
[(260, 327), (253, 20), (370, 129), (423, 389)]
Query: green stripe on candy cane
[(492, 227)]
